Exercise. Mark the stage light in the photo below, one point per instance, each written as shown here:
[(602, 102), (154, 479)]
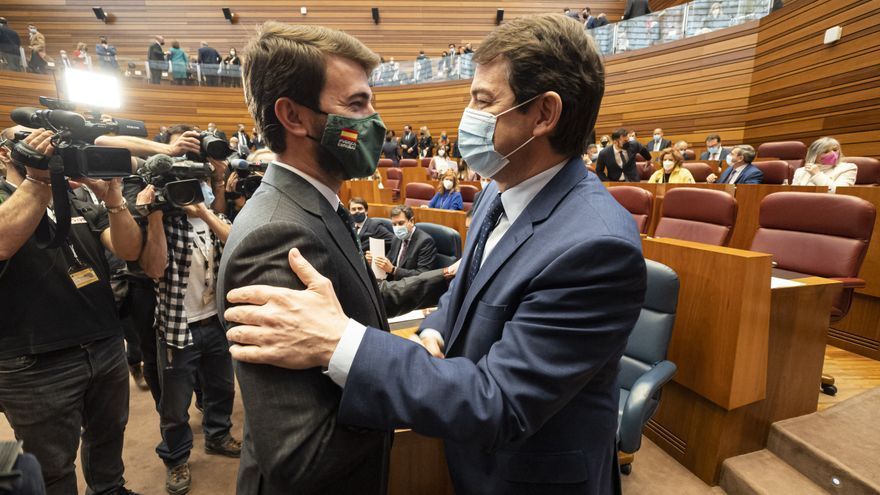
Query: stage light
[(228, 14), (100, 14), (92, 89)]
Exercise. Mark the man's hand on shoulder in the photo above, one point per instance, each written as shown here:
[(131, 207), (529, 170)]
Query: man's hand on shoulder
[(295, 329)]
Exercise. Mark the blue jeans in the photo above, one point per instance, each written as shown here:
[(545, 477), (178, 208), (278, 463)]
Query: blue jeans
[(54, 399), (209, 357)]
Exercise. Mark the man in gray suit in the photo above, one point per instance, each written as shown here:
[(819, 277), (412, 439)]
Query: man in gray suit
[(307, 88)]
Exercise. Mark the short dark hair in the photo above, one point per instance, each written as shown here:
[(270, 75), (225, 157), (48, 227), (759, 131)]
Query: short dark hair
[(359, 201), (748, 152), (286, 60), (551, 52), (175, 44), (179, 129), (618, 134), (402, 210), (713, 136)]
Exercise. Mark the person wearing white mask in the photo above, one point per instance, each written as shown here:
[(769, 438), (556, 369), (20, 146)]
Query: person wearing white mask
[(448, 196), (659, 143), (740, 169), (518, 367), (825, 165), (671, 171), (440, 163)]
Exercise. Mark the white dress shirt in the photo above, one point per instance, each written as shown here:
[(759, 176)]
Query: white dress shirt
[(515, 200)]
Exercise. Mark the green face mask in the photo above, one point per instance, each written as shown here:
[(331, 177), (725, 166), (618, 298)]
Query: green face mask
[(355, 143)]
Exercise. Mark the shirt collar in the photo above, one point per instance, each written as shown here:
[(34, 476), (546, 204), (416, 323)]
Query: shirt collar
[(517, 198), (322, 188)]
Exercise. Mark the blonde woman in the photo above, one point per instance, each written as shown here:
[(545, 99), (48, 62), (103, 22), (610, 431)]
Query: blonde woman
[(448, 196), (426, 143), (825, 165), (671, 171)]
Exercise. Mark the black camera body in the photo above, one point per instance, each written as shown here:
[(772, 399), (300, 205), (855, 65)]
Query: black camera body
[(211, 147), (249, 176), (177, 182)]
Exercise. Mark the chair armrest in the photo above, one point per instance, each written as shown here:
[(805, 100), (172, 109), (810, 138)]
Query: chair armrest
[(637, 406), (850, 282)]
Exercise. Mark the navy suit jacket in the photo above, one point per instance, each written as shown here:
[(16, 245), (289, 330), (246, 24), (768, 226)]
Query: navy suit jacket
[(527, 397), (749, 175), (721, 156)]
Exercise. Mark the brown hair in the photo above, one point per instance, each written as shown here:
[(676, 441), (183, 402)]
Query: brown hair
[(451, 174), (357, 200), (552, 52), (289, 60), (676, 157)]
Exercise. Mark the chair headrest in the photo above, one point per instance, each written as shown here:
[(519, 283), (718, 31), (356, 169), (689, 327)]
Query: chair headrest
[(775, 171), (635, 199), (700, 205), (447, 240), (419, 190), (784, 150), (818, 213), (869, 170)]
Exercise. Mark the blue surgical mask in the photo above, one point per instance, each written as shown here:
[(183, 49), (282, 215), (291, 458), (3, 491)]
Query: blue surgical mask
[(713, 150), (657, 137), (476, 135), (729, 159), (208, 193), (401, 231)]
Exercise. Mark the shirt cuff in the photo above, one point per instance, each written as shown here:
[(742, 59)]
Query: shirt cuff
[(430, 332), (343, 356)]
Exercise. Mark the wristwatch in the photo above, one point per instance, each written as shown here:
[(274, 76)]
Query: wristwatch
[(118, 209)]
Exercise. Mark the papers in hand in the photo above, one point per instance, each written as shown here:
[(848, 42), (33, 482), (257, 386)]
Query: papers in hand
[(377, 248)]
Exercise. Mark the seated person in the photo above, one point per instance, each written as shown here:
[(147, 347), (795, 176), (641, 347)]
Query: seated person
[(825, 165), (714, 150), (681, 147), (367, 227), (440, 164), (448, 196), (412, 250), (740, 170), (715, 20), (671, 171), (591, 155), (464, 172)]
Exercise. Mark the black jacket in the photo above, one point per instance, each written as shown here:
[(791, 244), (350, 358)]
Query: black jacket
[(208, 55), (409, 142), (636, 8), (373, 228), (664, 143), (420, 255), (391, 151), (9, 41), (606, 164), (156, 52)]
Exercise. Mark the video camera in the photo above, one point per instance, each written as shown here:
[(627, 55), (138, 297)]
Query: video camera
[(248, 178), (177, 182), (211, 147), (74, 142)]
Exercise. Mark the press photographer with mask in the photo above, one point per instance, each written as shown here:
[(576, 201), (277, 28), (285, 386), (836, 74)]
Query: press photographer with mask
[(63, 372), (182, 252)]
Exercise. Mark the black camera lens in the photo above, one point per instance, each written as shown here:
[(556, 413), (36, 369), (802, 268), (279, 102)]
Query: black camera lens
[(184, 192), (214, 147)]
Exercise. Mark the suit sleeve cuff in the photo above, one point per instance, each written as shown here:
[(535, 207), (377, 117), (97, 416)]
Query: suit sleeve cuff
[(346, 349), (430, 332)]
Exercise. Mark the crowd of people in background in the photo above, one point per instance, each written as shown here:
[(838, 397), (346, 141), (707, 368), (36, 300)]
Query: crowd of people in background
[(455, 62)]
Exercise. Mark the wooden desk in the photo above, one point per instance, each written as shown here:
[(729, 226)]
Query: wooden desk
[(418, 466), (859, 331), (747, 356), (367, 189), (748, 198)]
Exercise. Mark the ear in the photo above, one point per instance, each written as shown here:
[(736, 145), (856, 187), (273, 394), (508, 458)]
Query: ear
[(549, 109), (291, 116)]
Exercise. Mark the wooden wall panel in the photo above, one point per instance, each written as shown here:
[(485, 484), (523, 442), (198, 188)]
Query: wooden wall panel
[(752, 83), (804, 89), (405, 27)]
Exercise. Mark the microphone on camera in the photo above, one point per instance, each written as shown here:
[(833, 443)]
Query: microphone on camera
[(59, 119), (159, 164)]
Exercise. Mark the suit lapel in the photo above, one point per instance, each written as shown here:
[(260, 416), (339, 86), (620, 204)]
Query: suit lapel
[(537, 211), (309, 199)]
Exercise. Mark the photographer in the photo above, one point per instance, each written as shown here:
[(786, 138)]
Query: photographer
[(237, 190), (183, 253), (63, 373)]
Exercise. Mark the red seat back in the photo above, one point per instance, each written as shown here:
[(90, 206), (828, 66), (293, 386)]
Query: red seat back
[(468, 193), (419, 193), (408, 162), (699, 170), (425, 162), (689, 154), (385, 162), (869, 170), (637, 201), (818, 234), (792, 152), (775, 171), (699, 215), (646, 170)]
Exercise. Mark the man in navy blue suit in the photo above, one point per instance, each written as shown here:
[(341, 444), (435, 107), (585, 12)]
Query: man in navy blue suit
[(518, 367), (740, 169)]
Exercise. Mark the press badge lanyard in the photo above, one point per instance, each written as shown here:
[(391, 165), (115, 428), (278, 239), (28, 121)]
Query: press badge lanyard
[(207, 253), (80, 273)]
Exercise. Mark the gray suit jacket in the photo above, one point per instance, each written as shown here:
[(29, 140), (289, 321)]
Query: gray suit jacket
[(292, 441)]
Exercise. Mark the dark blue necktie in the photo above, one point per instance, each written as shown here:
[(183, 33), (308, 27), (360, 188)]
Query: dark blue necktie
[(496, 209)]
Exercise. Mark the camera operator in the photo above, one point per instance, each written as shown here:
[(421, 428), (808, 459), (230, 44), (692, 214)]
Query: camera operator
[(235, 197), (183, 253), (63, 373)]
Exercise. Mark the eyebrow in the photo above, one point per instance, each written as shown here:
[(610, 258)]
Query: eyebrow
[(482, 91), (360, 95)]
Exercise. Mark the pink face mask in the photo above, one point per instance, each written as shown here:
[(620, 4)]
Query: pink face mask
[(829, 158)]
